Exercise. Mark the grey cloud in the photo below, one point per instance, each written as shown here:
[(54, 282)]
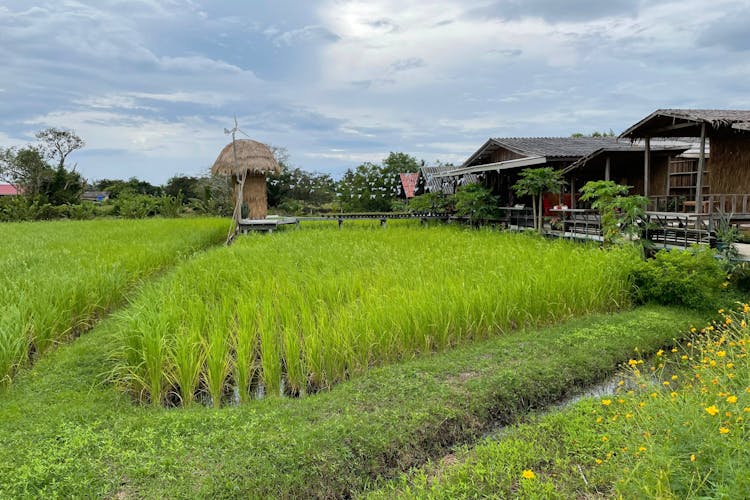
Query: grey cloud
[(384, 24), (305, 35), (407, 64), (557, 10), (731, 31)]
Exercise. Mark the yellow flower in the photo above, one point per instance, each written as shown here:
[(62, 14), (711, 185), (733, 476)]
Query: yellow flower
[(732, 399), (730, 365), (743, 324), (606, 402), (632, 362), (692, 458), (721, 354), (684, 357), (641, 404), (599, 420), (723, 430), (659, 352), (642, 448), (673, 394), (605, 439), (598, 461), (666, 382), (721, 311), (630, 415), (528, 474), (728, 320), (746, 308), (621, 401), (674, 377), (712, 410), (674, 349)]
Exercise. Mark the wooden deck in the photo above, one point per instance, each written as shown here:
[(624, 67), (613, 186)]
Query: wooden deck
[(265, 225)]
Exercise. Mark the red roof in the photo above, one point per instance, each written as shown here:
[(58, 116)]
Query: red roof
[(8, 190), (409, 182)]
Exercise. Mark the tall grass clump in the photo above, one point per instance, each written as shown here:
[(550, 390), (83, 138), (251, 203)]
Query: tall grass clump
[(297, 312), (57, 278)]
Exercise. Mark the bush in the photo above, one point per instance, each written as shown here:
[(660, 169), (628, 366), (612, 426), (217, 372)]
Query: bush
[(693, 278), (475, 202)]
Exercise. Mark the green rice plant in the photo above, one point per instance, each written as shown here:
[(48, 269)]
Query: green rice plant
[(58, 278), (303, 310)]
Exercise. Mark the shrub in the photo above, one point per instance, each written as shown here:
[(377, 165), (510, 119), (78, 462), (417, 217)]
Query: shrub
[(692, 278), (475, 202)]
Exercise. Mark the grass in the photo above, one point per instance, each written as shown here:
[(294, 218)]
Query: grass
[(676, 428), (66, 433), (58, 278), (300, 311)]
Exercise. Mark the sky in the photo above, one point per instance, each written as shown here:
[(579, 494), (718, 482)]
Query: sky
[(150, 85)]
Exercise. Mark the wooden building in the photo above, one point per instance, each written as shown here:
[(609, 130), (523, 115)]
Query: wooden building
[(432, 180), (500, 160), (726, 185), (407, 183)]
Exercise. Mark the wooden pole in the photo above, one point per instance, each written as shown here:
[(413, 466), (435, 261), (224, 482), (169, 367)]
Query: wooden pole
[(647, 167), (701, 167), (572, 192), (607, 169)]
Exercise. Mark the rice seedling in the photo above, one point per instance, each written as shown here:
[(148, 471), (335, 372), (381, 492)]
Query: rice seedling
[(58, 278), (300, 311)]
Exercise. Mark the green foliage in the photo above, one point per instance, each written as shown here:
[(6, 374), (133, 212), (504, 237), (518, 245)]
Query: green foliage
[(693, 278), (620, 213), (135, 206), (132, 186), (726, 236), (535, 182), (475, 202), (183, 187), (431, 202)]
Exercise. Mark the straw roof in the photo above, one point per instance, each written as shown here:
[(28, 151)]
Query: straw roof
[(687, 122), (252, 156)]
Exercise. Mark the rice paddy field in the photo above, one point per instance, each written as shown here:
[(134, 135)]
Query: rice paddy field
[(58, 278), (297, 312)]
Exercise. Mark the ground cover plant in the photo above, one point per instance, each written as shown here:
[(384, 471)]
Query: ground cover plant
[(675, 428), (66, 433), (57, 278), (300, 311)]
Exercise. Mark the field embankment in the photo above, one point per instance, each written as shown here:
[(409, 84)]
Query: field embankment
[(63, 432), (676, 427), (57, 278), (303, 310)]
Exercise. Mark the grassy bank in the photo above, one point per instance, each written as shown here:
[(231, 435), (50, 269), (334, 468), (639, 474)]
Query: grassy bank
[(303, 310), (63, 432), (676, 428), (58, 277)]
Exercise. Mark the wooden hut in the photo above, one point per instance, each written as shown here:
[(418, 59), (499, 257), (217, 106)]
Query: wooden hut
[(247, 162), (727, 185)]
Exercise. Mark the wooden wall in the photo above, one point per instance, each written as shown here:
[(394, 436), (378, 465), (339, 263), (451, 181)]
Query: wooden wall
[(503, 154), (730, 164)]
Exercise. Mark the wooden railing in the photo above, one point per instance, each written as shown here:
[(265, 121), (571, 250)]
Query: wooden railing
[(738, 204)]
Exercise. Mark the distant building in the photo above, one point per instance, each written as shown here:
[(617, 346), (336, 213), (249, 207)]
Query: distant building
[(407, 183), (9, 190), (96, 196)]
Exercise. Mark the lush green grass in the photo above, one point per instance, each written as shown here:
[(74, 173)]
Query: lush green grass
[(303, 310), (65, 433), (677, 428), (58, 277)]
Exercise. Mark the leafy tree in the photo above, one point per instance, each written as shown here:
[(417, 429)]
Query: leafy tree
[(372, 187), (619, 212), (65, 187), (595, 133), (535, 182), (183, 185), (431, 202), (115, 187), (475, 202), (26, 169)]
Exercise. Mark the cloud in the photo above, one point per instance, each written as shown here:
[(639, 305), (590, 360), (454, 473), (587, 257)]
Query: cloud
[(730, 31), (303, 35), (556, 11)]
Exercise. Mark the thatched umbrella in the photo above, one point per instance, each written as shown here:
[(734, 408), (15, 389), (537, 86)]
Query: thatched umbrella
[(247, 162)]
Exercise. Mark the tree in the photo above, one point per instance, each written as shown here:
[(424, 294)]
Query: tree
[(595, 133), (26, 169), (183, 185), (475, 202), (535, 182), (619, 212), (57, 144)]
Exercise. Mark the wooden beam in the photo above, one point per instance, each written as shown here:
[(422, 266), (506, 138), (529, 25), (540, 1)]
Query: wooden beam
[(669, 128), (607, 169), (701, 168), (572, 192), (647, 166)]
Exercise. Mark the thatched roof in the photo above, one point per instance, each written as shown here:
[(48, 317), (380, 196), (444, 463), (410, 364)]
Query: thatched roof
[(687, 122), (252, 156)]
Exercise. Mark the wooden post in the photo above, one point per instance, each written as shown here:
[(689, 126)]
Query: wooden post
[(607, 169), (701, 166), (572, 192), (647, 167)]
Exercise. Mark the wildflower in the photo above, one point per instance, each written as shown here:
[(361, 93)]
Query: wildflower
[(673, 394), (641, 404), (721, 354), (721, 311), (692, 458), (632, 362), (528, 474), (746, 308), (659, 352), (606, 402), (599, 420), (730, 365), (684, 357), (723, 430), (692, 329), (732, 399), (746, 409), (674, 349), (642, 448), (630, 415), (674, 377), (654, 395), (666, 383), (728, 414), (605, 439), (725, 284), (728, 320), (743, 324), (598, 461), (712, 410)]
